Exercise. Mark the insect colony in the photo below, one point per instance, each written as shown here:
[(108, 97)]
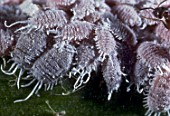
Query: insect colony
[(123, 39)]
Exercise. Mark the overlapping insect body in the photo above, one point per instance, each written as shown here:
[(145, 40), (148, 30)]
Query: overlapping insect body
[(105, 42), (53, 64), (153, 56), (85, 55), (77, 30), (85, 63), (125, 33), (100, 8), (158, 98), (43, 20), (28, 48), (112, 74), (119, 30), (141, 76), (7, 42), (127, 14), (50, 68), (164, 35), (93, 18), (83, 8), (140, 73)]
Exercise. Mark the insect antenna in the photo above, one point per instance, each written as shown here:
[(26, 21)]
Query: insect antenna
[(4, 61), (19, 77), (28, 84), (32, 92), (12, 66), (22, 28), (15, 23), (9, 73)]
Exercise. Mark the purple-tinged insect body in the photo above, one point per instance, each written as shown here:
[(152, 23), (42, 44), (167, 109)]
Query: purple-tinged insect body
[(127, 14), (164, 35), (77, 30), (112, 74), (50, 68), (120, 31), (83, 8), (153, 56), (105, 43), (142, 76), (7, 42), (158, 98), (85, 64), (28, 48)]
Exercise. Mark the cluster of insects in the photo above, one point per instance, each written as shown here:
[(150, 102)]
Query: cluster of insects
[(124, 39)]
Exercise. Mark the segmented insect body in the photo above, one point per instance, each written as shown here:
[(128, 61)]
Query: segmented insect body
[(140, 73), (127, 14), (105, 42), (7, 42), (124, 33), (112, 74), (119, 30), (83, 8), (141, 76), (153, 56), (93, 18), (86, 38), (54, 63), (44, 19), (100, 8), (164, 35), (28, 48), (158, 98), (85, 64), (77, 30), (50, 68)]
